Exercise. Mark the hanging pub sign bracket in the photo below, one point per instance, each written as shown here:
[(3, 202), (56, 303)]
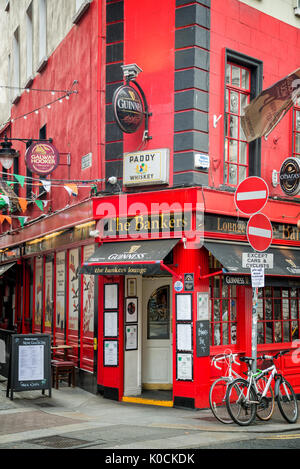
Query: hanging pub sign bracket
[(130, 105)]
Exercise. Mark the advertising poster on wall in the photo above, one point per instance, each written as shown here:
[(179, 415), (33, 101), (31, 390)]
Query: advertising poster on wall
[(73, 289), (49, 295), (38, 293), (60, 289), (88, 295)]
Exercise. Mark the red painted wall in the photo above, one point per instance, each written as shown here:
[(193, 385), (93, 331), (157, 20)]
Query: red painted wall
[(244, 29), (149, 42), (73, 124)]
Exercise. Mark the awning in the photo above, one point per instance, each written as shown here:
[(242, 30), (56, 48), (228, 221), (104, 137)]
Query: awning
[(5, 267), (286, 261), (130, 258)]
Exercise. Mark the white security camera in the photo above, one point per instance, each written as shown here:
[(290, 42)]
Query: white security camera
[(94, 233)]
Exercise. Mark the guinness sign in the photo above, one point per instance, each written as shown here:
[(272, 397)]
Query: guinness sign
[(289, 176), (128, 108)]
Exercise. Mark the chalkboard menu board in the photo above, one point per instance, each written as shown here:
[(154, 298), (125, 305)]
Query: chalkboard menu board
[(202, 338), (30, 363)]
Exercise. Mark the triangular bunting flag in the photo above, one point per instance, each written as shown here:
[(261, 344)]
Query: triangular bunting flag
[(40, 204), (22, 220), (46, 184), (2, 217), (72, 189), (23, 204), (5, 198), (20, 179), (8, 219)]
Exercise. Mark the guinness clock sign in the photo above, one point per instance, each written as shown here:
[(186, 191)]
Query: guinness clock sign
[(289, 176), (128, 108)]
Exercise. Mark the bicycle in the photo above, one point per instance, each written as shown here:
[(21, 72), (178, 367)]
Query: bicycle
[(218, 390), (243, 396)]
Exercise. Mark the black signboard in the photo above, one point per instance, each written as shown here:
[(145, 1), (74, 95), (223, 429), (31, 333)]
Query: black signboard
[(30, 363), (128, 108), (202, 338)]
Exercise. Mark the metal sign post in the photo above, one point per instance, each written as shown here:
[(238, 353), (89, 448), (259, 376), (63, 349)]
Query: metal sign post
[(250, 197), (254, 328)]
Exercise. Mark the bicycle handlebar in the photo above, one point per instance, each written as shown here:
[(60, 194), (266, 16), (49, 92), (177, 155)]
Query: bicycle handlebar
[(273, 357), (231, 356)]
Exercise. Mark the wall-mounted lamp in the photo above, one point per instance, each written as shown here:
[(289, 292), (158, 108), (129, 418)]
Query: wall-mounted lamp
[(7, 153)]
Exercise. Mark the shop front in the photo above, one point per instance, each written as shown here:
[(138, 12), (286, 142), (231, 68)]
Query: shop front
[(173, 293)]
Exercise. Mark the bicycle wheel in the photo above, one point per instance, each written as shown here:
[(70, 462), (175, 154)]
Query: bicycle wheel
[(217, 399), (287, 402), (240, 402), (265, 408)]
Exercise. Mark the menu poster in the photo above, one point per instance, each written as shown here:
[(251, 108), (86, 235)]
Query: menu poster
[(184, 337), (111, 296), (184, 366), (111, 355), (111, 324), (31, 362), (184, 307)]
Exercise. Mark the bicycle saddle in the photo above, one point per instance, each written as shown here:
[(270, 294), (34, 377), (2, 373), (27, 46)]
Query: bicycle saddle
[(246, 359)]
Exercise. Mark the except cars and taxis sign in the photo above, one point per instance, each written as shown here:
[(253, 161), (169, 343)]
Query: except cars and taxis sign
[(42, 158)]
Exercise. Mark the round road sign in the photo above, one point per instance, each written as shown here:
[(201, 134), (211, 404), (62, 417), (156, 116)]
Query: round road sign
[(251, 195), (259, 232)]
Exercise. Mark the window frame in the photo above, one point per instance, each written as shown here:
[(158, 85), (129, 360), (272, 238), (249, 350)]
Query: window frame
[(256, 83)]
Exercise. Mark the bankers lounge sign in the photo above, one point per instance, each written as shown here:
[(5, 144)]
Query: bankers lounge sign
[(289, 176), (128, 108)]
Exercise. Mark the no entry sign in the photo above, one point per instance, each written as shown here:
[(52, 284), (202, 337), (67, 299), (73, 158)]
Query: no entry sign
[(251, 195), (259, 232)]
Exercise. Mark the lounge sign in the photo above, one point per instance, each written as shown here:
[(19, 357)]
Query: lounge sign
[(146, 167), (41, 158), (289, 176), (128, 108)]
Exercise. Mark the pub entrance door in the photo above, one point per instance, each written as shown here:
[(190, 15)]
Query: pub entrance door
[(157, 333)]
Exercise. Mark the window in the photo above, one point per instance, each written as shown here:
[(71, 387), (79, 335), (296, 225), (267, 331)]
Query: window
[(278, 315), (296, 129), (236, 146), (16, 65), (29, 42), (243, 82), (81, 6), (158, 314), (223, 320), (42, 34)]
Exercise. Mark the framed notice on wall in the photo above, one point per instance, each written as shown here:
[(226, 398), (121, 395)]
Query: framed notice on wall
[(131, 337), (184, 367), (111, 296), (111, 326), (184, 307), (131, 310), (111, 353)]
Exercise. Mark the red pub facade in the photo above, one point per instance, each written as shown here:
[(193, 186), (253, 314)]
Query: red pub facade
[(141, 271)]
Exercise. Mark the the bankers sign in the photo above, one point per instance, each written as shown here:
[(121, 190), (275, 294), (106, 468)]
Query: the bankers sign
[(289, 176), (128, 108)]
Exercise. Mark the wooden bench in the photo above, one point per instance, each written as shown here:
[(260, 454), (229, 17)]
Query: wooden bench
[(62, 369)]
